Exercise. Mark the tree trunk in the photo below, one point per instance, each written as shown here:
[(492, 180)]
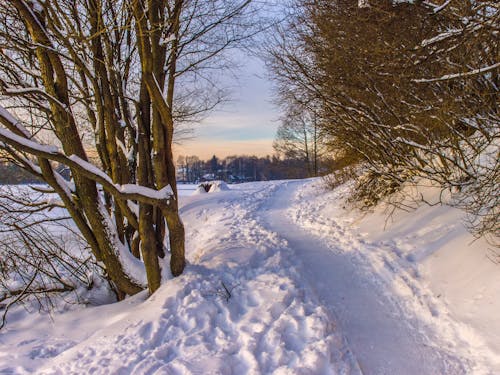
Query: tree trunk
[(56, 85)]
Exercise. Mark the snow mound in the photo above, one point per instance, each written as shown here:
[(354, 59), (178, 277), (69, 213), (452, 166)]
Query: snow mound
[(199, 190), (211, 187), (217, 186)]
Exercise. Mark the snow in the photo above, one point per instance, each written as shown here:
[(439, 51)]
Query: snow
[(213, 187), (131, 265), (90, 167), (185, 190), (162, 194), (440, 37), (35, 90), (37, 7), (469, 73), (363, 4), (282, 279), (14, 122), (10, 136), (165, 40), (441, 281), (218, 186), (441, 7), (200, 190)]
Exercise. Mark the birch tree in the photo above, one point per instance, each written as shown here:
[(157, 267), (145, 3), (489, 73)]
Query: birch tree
[(79, 74)]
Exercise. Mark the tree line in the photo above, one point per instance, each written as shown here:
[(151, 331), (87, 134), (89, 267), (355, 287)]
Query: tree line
[(237, 169)]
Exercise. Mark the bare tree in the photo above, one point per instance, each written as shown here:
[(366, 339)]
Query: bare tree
[(77, 73), (408, 90), (467, 49), (299, 137)]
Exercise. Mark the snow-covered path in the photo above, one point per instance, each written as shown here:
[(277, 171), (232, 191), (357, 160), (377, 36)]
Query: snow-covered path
[(281, 280), (375, 326)]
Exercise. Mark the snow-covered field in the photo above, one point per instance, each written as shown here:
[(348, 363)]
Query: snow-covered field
[(283, 280)]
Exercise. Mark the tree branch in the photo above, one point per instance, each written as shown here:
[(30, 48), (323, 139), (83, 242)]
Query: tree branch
[(142, 194)]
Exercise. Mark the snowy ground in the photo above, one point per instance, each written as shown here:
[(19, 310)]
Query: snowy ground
[(313, 289)]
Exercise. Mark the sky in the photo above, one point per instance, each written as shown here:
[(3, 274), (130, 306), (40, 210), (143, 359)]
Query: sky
[(244, 126)]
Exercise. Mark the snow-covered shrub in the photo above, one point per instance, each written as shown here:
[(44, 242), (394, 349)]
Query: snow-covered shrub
[(371, 188), (45, 264), (422, 107), (466, 166), (211, 187), (342, 171)]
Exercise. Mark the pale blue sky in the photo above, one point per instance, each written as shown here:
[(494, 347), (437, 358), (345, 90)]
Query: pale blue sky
[(245, 126)]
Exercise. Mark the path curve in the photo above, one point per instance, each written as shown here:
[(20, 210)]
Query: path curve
[(374, 325)]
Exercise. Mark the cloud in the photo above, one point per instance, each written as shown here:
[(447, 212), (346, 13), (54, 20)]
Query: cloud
[(245, 126)]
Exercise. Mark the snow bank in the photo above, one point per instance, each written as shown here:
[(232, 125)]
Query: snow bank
[(199, 190), (443, 277)]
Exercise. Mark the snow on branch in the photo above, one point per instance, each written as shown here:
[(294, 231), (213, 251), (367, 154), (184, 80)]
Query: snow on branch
[(440, 37), (26, 145), (437, 8), (143, 194), (471, 27), (441, 7), (34, 90), (363, 4), (13, 122), (448, 77)]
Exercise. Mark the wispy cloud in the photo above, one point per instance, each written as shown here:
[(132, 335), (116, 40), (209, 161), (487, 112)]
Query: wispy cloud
[(247, 125)]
